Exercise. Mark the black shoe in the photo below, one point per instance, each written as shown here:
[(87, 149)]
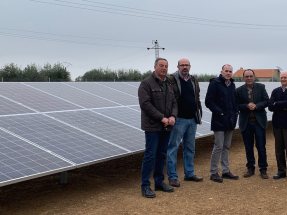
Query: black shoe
[(163, 187), (229, 175), (264, 174), (248, 174), (279, 175), (148, 193), (216, 178), (194, 178), (174, 183)]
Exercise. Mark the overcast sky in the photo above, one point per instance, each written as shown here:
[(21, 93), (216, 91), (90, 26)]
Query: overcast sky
[(116, 33)]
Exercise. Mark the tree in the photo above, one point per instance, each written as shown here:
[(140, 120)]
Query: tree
[(146, 74), (32, 73), (204, 77), (11, 72), (56, 73)]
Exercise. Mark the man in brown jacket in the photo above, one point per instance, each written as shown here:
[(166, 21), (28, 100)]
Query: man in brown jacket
[(158, 112)]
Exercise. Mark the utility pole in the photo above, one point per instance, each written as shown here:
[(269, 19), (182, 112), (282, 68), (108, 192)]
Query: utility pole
[(156, 48)]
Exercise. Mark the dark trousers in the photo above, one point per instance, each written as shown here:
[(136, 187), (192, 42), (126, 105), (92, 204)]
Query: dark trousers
[(254, 130), (280, 135), (155, 153)]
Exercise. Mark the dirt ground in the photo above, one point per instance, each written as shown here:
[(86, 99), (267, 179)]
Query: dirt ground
[(113, 187)]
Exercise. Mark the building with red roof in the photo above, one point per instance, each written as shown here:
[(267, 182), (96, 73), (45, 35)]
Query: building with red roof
[(263, 75)]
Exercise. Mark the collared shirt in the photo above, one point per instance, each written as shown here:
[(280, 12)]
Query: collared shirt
[(188, 77), (160, 78), (228, 84), (251, 88), (283, 89)]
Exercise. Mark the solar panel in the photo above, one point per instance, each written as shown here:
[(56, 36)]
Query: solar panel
[(19, 159), (29, 97), (70, 143), (111, 94), (124, 135), (52, 127), (71, 95)]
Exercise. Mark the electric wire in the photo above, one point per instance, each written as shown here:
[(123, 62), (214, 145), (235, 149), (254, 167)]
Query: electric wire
[(64, 41), (131, 59), (67, 35), (156, 18), (185, 17), (114, 59)]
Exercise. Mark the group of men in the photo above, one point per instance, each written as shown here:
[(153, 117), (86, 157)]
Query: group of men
[(171, 109)]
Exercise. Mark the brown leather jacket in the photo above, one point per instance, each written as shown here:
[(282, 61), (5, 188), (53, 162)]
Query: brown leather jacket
[(155, 104), (174, 78)]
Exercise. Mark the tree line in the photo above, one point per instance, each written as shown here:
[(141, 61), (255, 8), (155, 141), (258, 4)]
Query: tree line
[(126, 75), (57, 72), (33, 73)]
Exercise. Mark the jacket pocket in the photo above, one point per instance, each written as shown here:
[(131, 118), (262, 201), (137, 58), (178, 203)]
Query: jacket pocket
[(157, 94), (220, 121)]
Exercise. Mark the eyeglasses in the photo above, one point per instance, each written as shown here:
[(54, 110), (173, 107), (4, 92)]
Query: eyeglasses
[(183, 65)]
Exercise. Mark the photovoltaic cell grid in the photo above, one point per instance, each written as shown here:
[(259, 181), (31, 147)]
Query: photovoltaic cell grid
[(19, 159), (52, 127), (66, 141)]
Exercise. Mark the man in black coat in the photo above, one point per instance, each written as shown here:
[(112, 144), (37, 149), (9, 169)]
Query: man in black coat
[(158, 112), (220, 99), (252, 99), (278, 105)]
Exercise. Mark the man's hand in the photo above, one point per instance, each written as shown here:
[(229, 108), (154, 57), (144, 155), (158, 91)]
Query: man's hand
[(164, 121), (171, 120), (251, 106)]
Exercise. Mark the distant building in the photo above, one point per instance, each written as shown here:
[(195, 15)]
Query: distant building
[(261, 74)]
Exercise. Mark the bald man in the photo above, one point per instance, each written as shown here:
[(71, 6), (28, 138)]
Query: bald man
[(186, 90), (278, 105)]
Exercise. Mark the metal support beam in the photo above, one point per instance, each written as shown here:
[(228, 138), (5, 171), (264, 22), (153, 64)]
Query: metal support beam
[(156, 48), (64, 177)]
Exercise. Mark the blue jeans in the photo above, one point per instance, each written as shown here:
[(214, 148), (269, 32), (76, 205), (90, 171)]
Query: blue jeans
[(184, 129), (253, 129), (155, 152)]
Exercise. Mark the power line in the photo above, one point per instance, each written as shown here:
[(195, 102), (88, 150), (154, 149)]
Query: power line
[(185, 17), (67, 35), (116, 59), (131, 59), (267, 27), (63, 40)]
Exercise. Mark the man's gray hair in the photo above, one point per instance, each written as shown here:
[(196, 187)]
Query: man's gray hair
[(226, 65), (155, 63)]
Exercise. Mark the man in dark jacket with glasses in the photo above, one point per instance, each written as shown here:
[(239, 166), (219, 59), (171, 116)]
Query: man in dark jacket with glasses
[(186, 90)]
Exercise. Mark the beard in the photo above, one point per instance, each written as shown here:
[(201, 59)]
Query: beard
[(185, 72)]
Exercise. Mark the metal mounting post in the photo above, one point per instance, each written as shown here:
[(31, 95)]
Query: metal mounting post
[(64, 177)]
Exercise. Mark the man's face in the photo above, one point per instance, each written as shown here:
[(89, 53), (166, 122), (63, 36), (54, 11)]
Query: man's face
[(249, 77), (227, 72), (283, 78), (161, 68), (184, 67)]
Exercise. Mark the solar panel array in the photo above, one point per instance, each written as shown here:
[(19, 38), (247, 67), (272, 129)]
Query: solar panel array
[(47, 128)]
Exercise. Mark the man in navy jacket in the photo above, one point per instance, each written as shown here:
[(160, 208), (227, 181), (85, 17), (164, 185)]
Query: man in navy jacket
[(220, 99), (278, 105)]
